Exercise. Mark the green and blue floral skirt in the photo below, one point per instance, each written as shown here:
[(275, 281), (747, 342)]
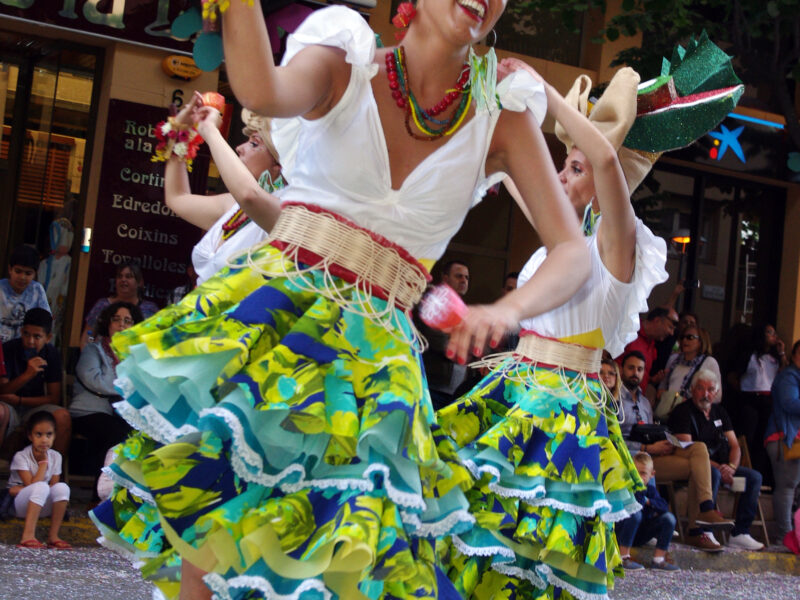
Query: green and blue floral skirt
[(552, 476), (284, 445)]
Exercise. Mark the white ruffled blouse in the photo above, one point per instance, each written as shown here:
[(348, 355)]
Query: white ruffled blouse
[(603, 303), (340, 161), (209, 255)]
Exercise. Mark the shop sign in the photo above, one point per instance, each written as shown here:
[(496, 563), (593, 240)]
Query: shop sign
[(744, 144), (142, 21), (132, 221)]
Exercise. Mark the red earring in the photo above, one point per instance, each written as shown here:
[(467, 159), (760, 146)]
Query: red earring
[(405, 12)]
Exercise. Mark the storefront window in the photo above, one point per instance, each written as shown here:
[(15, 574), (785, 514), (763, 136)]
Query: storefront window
[(46, 102)]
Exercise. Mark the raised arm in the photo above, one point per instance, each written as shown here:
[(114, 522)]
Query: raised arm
[(309, 85), (199, 210), (260, 205), (616, 236), (519, 149)]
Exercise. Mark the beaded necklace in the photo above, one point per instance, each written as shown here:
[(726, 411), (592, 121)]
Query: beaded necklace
[(239, 219), (425, 120)]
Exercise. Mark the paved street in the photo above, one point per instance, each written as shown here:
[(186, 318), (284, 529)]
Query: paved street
[(98, 574)]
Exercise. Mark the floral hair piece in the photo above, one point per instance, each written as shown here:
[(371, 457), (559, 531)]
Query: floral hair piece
[(176, 139), (405, 13)]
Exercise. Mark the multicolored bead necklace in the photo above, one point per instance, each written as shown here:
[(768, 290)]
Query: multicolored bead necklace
[(234, 223), (425, 120)]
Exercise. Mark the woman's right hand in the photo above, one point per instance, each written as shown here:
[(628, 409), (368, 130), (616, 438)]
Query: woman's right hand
[(186, 116)]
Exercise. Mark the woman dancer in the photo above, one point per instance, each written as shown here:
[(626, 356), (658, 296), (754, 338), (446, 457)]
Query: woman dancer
[(232, 221), (291, 447), (554, 473)]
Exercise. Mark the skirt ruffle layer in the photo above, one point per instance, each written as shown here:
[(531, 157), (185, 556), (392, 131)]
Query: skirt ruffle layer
[(289, 445), (552, 476)]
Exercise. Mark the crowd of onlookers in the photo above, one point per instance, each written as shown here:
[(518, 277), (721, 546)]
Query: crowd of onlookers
[(706, 403)]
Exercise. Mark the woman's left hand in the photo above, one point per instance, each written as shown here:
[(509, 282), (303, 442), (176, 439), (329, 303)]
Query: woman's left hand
[(484, 324)]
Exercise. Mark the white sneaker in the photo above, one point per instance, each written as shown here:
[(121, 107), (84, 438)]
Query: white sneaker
[(745, 541), (710, 536)]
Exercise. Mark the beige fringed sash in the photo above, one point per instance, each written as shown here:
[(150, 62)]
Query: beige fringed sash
[(574, 364), (553, 352), (316, 239)]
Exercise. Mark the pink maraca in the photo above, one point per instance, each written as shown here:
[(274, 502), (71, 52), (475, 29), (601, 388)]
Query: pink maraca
[(442, 308)]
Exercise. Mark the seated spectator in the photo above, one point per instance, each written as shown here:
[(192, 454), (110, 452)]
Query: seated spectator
[(609, 374), (19, 292), (653, 521), (33, 376), (694, 354), (92, 414), (783, 437), (703, 421), (34, 484), (672, 463), (128, 287)]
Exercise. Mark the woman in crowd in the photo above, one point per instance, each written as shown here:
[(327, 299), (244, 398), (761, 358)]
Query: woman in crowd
[(540, 430), (237, 219), (291, 447), (783, 430), (694, 354), (609, 374), (754, 374), (93, 392), (128, 287)]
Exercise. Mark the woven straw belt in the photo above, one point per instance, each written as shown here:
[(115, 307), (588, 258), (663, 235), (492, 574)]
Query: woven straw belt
[(552, 352), (373, 261)]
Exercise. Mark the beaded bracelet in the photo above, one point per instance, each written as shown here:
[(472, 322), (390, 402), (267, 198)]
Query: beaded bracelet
[(176, 139)]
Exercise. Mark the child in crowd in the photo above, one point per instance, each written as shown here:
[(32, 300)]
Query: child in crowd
[(32, 380), (653, 521), (34, 484), (19, 292)]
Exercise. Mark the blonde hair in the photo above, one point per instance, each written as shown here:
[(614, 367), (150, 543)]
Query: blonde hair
[(644, 459), (607, 360), (254, 123)]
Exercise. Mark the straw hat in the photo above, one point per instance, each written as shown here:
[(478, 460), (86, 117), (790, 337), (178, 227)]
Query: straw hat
[(254, 123), (613, 115)]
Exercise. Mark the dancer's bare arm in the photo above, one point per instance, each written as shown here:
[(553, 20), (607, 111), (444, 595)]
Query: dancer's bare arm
[(309, 85), (260, 205), (519, 149), (616, 237), (199, 210)]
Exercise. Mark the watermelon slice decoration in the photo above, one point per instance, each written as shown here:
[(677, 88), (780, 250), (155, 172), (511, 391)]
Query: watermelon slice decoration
[(693, 94)]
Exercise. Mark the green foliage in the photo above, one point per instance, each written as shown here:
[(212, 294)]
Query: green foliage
[(763, 38)]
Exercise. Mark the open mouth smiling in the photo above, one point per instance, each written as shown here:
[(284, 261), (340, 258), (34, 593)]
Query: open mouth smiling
[(474, 8)]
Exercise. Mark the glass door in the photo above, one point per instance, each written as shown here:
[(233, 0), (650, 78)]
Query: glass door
[(47, 91)]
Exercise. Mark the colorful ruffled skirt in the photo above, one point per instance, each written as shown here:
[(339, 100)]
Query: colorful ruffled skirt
[(552, 476), (285, 446)]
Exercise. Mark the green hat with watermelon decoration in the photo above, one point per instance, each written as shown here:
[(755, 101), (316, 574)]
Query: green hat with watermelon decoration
[(693, 94)]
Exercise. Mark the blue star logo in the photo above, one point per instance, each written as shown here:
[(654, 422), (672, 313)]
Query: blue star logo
[(729, 139)]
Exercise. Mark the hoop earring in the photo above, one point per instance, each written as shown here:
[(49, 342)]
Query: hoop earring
[(493, 33)]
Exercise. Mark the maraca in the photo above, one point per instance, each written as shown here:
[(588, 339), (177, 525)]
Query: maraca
[(442, 308), (214, 100)]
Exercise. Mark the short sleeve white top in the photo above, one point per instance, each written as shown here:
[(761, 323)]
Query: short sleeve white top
[(209, 256), (604, 304), (25, 461), (341, 162), (760, 373)]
